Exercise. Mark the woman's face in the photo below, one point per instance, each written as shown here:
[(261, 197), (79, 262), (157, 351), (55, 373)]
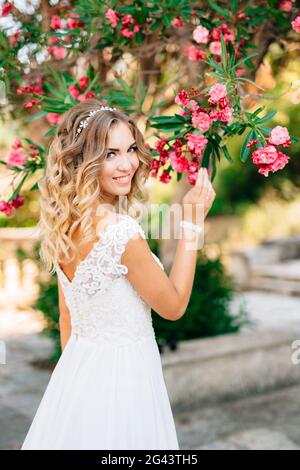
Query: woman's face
[(121, 160)]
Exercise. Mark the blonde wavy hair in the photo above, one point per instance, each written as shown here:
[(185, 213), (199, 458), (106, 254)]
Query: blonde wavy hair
[(70, 187)]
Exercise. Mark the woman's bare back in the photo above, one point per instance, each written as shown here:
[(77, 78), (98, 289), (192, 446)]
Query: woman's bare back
[(100, 222)]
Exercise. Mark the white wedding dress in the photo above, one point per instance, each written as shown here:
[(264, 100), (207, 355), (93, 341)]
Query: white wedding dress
[(107, 390)]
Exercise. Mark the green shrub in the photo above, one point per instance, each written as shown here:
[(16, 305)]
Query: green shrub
[(47, 303), (208, 312)]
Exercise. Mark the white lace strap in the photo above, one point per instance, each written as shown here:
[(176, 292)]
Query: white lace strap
[(123, 233)]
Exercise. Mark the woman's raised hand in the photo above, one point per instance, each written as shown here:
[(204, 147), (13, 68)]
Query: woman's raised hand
[(202, 194)]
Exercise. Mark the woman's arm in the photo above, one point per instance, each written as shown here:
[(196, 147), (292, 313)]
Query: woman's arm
[(64, 318), (169, 295)]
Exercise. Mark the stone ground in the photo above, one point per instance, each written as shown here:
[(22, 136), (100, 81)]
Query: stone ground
[(265, 421)]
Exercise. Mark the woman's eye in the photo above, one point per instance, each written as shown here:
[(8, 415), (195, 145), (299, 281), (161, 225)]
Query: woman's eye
[(132, 149), (109, 153)]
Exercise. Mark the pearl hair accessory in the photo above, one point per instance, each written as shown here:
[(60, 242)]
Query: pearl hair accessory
[(84, 123)]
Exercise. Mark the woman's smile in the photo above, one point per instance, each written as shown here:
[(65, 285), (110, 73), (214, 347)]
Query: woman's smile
[(122, 179)]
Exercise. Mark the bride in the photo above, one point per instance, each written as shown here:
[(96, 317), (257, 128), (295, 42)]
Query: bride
[(107, 390)]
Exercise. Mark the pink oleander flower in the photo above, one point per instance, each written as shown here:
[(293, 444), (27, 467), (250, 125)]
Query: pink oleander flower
[(74, 92), (112, 16), (86, 96), (223, 102), (33, 150), (58, 52), (296, 24), (194, 54), (239, 72), (182, 98), (192, 105), (178, 163), (72, 22), (177, 146), (16, 143), (155, 164), (217, 92), (286, 5), (55, 22), (200, 35), (196, 143), (127, 19), (215, 47), (17, 202), (53, 118), (201, 120), (280, 162), (160, 144), (192, 178), (280, 136), (269, 159), (193, 166), (83, 82), (264, 155), (6, 9), (126, 33), (30, 104), (223, 28), (177, 22), (225, 114), (165, 177), (16, 157), (164, 157), (6, 207)]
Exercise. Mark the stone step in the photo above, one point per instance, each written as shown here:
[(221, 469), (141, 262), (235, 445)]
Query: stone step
[(274, 284), (267, 421), (229, 366), (289, 270), (252, 439)]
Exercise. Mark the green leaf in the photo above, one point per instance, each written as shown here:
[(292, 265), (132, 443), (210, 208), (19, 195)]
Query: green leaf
[(214, 166), (39, 147), (256, 112), (267, 117), (178, 176), (219, 9), (223, 52), (36, 116), (294, 140), (17, 190), (206, 155), (51, 131), (253, 54), (243, 79), (245, 150), (54, 91), (232, 56), (234, 6), (259, 137), (34, 187), (226, 153)]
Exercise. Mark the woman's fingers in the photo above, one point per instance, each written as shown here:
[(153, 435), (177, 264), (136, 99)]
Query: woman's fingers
[(200, 178)]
